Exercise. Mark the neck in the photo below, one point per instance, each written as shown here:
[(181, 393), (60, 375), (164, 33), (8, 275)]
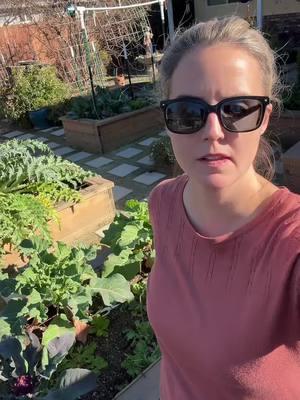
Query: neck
[(219, 211)]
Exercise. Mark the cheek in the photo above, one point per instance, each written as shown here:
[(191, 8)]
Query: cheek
[(184, 147), (245, 148)]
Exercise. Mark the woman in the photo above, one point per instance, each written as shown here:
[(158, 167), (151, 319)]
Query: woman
[(223, 294)]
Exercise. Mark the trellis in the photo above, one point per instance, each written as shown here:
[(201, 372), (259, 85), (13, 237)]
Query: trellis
[(66, 45)]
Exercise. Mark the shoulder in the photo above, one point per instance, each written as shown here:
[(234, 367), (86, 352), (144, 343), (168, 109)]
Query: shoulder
[(288, 222), (290, 206)]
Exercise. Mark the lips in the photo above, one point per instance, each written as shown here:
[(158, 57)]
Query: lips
[(214, 157)]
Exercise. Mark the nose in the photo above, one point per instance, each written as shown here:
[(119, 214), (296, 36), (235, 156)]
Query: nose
[(212, 129)]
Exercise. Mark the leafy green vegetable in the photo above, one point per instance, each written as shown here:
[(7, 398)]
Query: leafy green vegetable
[(109, 103), (61, 278), (32, 181), (84, 357), (26, 368), (130, 238), (145, 349), (99, 326)]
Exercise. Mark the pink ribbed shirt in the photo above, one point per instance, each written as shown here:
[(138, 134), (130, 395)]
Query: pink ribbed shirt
[(225, 310)]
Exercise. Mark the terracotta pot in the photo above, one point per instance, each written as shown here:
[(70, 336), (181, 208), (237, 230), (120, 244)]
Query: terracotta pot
[(120, 80)]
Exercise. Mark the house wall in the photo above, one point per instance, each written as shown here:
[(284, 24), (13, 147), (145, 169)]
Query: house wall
[(203, 12)]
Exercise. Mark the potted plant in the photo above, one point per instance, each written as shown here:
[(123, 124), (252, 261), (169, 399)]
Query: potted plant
[(31, 91)]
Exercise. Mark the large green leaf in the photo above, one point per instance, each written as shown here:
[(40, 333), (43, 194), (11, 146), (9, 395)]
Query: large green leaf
[(10, 348), (129, 271), (114, 260), (74, 383), (7, 285), (129, 234), (4, 328), (112, 234), (58, 327), (55, 352), (12, 314), (114, 289)]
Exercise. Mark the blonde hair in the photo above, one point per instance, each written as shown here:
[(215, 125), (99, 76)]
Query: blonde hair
[(237, 31)]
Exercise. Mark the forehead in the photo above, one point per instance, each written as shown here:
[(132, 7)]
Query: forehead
[(217, 72)]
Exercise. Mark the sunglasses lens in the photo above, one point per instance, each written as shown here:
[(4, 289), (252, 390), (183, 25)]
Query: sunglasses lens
[(184, 117), (242, 115)]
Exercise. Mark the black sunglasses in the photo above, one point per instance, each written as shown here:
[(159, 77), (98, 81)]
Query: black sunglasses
[(186, 115)]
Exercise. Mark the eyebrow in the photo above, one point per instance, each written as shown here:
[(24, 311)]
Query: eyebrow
[(201, 98)]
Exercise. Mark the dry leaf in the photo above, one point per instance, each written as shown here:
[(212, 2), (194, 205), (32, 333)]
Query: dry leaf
[(81, 330)]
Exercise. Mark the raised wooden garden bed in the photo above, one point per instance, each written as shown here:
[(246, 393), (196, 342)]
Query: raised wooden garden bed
[(95, 210), (102, 136), (145, 386), (291, 165), (286, 128)]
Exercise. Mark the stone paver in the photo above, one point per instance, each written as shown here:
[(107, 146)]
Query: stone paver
[(53, 145), (49, 129), (148, 178), (13, 134), (146, 161), (129, 153), (147, 142), (98, 162), (123, 170), (41, 139), (59, 132), (120, 192), (163, 133), (63, 151), (79, 156), (26, 136)]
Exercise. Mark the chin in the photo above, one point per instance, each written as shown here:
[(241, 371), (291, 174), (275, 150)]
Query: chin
[(213, 181)]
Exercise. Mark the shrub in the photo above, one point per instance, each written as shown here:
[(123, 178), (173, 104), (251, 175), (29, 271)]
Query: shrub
[(162, 151), (30, 89)]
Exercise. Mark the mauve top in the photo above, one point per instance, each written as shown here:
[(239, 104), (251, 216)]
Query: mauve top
[(225, 310)]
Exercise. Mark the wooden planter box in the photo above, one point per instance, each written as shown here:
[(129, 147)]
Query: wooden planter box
[(95, 210), (286, 128), (291, 166), (145, 386), (102, 136)]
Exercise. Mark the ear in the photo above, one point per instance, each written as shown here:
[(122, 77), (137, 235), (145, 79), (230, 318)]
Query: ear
[(267, 116)]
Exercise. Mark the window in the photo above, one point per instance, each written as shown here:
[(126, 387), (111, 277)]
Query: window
[(217, 2)]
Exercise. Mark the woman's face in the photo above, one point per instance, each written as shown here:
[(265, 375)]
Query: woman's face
[(213, 74)]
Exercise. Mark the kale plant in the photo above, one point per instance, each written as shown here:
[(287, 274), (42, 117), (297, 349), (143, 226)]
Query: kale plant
[(130, 238)]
